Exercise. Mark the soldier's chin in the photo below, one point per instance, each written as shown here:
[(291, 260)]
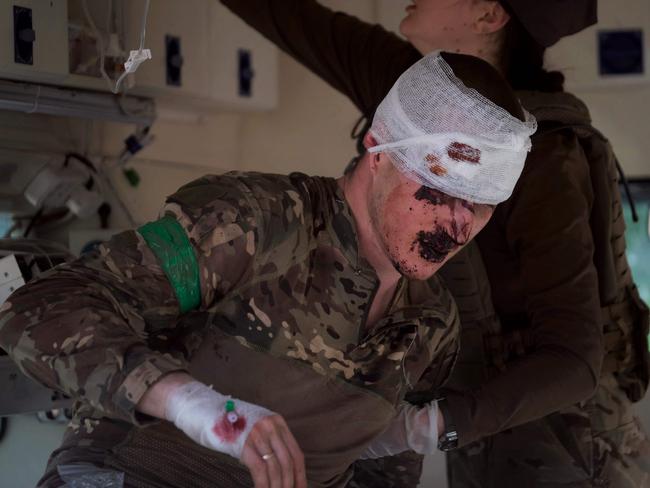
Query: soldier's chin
[(415, 269)]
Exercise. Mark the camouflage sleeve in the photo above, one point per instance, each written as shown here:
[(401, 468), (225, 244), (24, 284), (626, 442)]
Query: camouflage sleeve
[(428, 388), (435, 294), (83, 328)]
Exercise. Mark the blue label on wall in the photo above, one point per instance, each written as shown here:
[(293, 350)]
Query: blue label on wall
[(620, 52)]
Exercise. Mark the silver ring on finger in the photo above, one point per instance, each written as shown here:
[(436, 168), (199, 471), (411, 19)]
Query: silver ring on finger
[(268, 456)]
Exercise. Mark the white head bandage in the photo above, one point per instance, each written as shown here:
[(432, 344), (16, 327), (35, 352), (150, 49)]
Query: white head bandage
[(449, 137)]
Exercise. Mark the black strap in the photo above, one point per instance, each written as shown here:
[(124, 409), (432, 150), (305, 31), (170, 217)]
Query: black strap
[(628, 193)]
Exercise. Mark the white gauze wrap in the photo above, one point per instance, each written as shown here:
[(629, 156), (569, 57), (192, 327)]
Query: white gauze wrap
[(413, 428), (196, 408), (449, 137)]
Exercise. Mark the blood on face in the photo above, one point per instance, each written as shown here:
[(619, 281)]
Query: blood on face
[(436, 198), (435, 245)]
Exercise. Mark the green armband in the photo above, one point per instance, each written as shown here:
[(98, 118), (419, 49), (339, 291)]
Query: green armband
[(169, 242)]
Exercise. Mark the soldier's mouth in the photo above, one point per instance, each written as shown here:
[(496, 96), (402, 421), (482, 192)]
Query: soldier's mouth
[(435, 246)]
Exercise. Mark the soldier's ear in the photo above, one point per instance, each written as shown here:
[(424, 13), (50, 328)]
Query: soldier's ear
[(369, 140), (374, 159)]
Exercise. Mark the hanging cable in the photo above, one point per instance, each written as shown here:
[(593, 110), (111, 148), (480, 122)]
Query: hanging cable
[(100, 44), (143, 31), (36, 99), (635, 216), (32, 222), (135, 58), (109, 15), (82, 159)]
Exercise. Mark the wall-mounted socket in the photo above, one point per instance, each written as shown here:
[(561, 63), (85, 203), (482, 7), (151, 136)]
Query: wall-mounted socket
[(24, 35), (174, 65), (246, 73)]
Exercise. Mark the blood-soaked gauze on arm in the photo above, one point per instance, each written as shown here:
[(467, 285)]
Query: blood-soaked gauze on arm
[(211, 419), (169, 242)]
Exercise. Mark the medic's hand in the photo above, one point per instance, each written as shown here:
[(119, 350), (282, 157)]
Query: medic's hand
[(413, 428), (256, 436)]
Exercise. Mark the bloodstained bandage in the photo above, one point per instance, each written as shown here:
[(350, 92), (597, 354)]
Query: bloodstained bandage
[(227, 431), (434, 165), (464, 153)]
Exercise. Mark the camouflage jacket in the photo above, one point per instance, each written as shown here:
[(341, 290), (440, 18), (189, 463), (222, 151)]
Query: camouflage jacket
[(280, 317)]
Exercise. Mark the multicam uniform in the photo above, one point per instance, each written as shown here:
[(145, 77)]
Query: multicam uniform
[(272, 312), (565, 306)]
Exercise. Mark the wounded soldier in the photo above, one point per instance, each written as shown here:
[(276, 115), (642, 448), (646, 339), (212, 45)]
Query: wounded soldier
[(264, 331)]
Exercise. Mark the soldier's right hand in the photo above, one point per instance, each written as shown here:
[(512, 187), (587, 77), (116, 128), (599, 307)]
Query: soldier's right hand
[(272, 455), (259, 438)]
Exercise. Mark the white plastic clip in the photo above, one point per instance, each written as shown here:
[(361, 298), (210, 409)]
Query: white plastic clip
[(136, 58)]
